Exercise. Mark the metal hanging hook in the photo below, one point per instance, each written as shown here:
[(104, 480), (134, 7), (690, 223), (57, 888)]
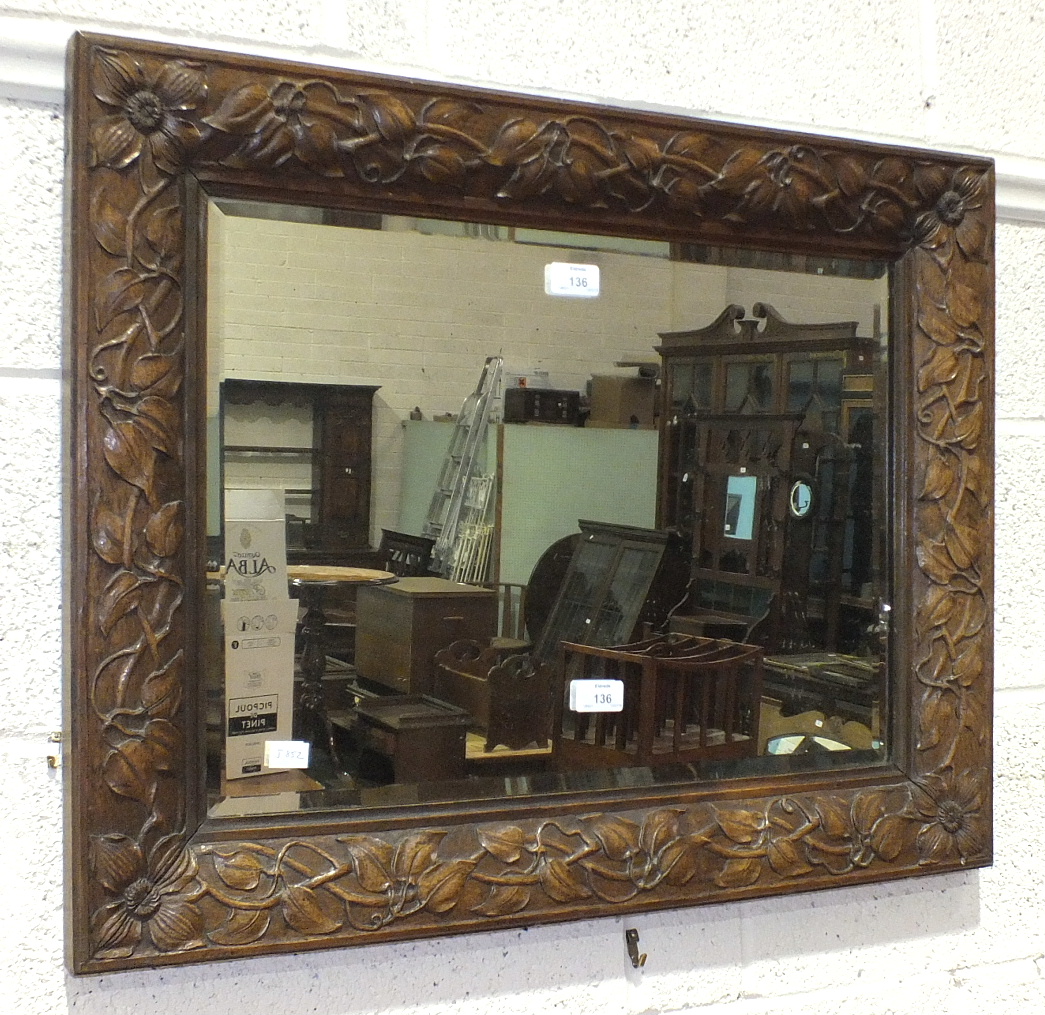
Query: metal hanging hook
[(631, 938)]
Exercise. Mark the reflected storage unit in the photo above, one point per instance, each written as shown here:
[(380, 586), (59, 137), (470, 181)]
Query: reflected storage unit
[(318, 433), (400, 628)]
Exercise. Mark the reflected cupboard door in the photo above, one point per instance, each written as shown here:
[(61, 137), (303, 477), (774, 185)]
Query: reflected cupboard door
[(343, 433)]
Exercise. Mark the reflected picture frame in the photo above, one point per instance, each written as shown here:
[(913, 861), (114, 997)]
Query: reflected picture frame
[(153, 131)]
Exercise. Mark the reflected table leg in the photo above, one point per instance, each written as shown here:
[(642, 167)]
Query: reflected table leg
[(311, 721)]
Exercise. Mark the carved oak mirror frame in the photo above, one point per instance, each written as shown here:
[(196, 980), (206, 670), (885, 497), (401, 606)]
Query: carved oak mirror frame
[(151, 882)]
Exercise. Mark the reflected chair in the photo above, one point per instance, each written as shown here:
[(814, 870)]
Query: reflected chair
[(405, 555), (511, 613), (686, 699)]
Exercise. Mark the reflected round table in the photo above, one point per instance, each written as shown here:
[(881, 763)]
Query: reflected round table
[(311, 581)]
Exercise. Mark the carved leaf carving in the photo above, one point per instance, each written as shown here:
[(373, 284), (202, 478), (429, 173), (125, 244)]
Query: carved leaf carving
[(518, 141), (415, 855), (739, 873), (129, 451), (373, 861), (125, 290), (888, 835), (165, 529), (681, 862), (109, 225), (658, 829), (301, 909), (784, 857), (122, 595), (317, 148), (506, 842), (619, 836), (740, 826), (241, 870), (391, 115), (834, 817), (940, 477), (158, 418), (162, 740), (561, 884), (441, 884), (244, 111), (157, 374), (503, 900), (107, 531), (241, 927)]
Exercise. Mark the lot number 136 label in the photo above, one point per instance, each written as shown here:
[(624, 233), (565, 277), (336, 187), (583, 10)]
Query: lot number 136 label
[(596, 695)]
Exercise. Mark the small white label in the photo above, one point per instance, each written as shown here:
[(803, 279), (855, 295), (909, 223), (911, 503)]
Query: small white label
[(561, 279), (596, 695), (286, 753)]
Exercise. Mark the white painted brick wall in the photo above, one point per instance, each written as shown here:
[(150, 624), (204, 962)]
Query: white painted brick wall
[(941, 72)]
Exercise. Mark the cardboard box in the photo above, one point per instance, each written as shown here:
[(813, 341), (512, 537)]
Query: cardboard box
[(616, 399), (259, 620), (259, 681), (255, 545)]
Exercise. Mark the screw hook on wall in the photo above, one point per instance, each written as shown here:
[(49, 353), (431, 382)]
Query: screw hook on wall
[(631, 939)]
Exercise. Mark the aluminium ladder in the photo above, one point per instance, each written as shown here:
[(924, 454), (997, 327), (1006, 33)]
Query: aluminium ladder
[(459, 467)]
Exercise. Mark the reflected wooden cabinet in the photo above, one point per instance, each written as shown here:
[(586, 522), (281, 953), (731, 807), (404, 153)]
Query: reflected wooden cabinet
[(611, 586), (320, 433), (402, 626)]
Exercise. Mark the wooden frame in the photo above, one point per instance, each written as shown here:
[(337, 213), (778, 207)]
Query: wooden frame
[(151, 127)]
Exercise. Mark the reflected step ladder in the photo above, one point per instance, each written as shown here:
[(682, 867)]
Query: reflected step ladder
[(459, 467)]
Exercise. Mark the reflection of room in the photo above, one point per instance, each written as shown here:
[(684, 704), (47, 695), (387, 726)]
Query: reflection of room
[(417, 313), (409, 310)]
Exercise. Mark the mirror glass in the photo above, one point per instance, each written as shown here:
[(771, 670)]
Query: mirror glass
[(681, 475), (740, 507)]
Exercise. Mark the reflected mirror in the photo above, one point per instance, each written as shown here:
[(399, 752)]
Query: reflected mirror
[(698, 445)]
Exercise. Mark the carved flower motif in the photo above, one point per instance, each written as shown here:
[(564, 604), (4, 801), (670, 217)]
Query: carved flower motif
[(148, 111), (149, 894), (954, 823), (950, 222)]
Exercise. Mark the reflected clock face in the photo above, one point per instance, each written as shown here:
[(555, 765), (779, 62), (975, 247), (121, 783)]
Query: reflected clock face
[(801, 498)]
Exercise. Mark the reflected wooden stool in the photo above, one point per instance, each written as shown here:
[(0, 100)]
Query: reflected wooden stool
[(423, 737)]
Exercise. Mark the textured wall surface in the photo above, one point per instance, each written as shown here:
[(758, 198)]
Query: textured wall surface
[(936, 72)]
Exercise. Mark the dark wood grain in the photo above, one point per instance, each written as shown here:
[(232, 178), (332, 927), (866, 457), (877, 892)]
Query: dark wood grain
[(148, 126)]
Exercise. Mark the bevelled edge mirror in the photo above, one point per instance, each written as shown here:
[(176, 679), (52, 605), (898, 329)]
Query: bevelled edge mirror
[(151, 127)]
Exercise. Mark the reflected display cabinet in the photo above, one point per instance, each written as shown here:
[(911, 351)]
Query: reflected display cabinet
[(768, 469), (609, 587)]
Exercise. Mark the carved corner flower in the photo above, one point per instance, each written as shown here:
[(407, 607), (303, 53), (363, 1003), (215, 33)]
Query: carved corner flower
[(951, 221), (150, 897), (953, 822), (148, 111)]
